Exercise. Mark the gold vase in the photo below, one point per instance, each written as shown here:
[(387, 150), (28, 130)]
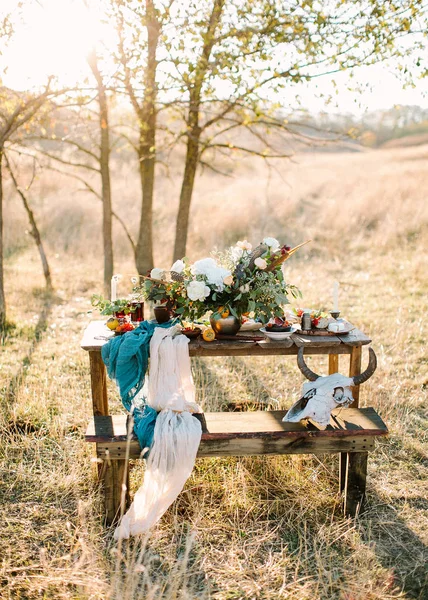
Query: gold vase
[(225, 326)]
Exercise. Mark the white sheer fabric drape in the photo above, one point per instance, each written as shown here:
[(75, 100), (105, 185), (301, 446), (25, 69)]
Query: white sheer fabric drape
[(177, 434)]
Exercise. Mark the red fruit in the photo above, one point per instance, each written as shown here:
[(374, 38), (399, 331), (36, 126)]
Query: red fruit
[(279, 321), (315, 322)]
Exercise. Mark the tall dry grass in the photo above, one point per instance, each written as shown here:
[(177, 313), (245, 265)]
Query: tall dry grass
[(259, 527), (371, 196)]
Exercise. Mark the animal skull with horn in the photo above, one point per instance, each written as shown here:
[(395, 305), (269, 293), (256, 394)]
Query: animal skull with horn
[(323, 394)]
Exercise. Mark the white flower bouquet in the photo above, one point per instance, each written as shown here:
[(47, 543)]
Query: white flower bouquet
[(238, 281)]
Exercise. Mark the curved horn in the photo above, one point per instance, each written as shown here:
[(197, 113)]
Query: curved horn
[(359, 379), (304, 367)]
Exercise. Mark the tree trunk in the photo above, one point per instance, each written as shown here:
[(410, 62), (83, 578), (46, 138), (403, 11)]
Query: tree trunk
[(144, 249), (34, 229), (194, 133), (2, 296), (147, 145), (106, 192), (182, 224), (105, 176)]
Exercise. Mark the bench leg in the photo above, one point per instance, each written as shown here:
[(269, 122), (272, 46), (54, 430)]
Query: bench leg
[(355, 482), (343, 458), (114, 474)]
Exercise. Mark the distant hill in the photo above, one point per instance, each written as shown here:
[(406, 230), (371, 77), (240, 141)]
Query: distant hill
[(418, 139)]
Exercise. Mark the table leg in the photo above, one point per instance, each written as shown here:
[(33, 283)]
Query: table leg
[(333, 367), (355, 369), (333, 363), (98, 384)]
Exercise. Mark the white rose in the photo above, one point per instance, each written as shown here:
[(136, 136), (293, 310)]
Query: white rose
[(197, 290), (244, 245), (261, 263), (211, 270), (178, 266), (156, 273), (272, 243), (236, 253), (228, 280), (244, 289)]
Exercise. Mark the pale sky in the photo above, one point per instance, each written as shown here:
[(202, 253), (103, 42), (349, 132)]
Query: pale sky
[(58, 34)]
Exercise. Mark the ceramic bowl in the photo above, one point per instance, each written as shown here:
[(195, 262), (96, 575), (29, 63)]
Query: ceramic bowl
[(192, 333), (277, 336)]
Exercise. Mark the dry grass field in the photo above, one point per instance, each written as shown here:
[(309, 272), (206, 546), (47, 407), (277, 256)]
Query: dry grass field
[(262, 527)]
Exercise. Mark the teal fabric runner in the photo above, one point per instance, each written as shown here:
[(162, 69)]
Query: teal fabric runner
[(127, 358)]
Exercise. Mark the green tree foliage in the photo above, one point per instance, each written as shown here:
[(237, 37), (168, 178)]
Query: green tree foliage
[(222, 66)]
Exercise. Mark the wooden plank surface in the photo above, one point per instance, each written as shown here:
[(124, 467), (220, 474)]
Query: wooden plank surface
[(313, 341), (259, 432), (251, 447), (95, 336), (254, 423), (269, 349), (355, 338), (284, 445), (266, 344)]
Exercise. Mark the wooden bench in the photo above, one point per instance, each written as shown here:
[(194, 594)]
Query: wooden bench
[(351, 432)]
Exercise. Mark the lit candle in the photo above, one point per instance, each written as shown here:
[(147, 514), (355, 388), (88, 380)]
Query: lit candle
[(113, 288), (336, 295)]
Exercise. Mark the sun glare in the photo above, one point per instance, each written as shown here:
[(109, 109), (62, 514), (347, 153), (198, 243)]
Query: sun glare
[(55, 37), (54, 40)]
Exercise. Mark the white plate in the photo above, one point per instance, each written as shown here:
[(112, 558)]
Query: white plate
[(251, 325), (279, 335)]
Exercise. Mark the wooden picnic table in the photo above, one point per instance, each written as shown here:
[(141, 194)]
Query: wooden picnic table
[(351, 434)]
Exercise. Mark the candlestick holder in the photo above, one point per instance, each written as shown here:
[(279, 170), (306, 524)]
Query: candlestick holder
[(335, 314)]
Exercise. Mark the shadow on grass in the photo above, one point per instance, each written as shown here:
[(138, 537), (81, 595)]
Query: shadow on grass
[(207, 378), (17, 380), (254, 396), (396, 546), (391, 543), (258, 396)]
